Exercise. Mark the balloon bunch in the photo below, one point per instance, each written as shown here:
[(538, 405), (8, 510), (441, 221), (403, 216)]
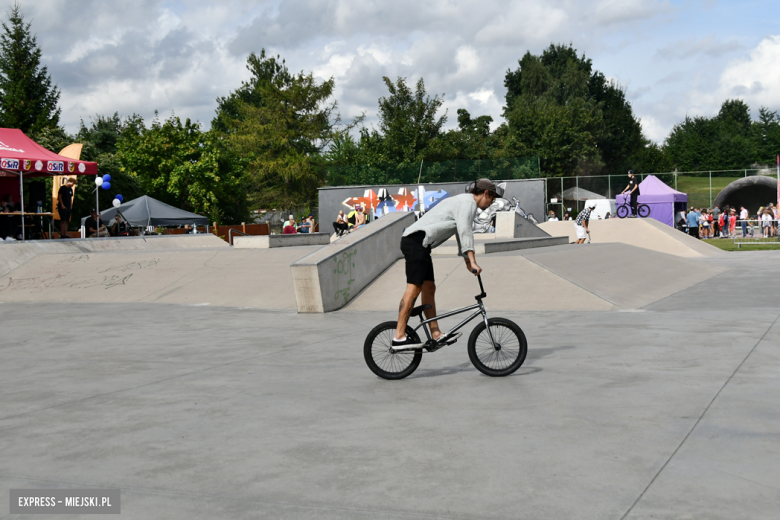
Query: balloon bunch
[(103, 182)]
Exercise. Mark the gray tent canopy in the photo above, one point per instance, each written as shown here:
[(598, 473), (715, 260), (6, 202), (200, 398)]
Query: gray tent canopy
[(146, 211), (578, 194)]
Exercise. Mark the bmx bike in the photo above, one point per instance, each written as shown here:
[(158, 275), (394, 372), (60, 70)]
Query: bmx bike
[(497, 346), (624, 210)]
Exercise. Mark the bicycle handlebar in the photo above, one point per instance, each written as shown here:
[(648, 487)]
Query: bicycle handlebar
[(481, 289)]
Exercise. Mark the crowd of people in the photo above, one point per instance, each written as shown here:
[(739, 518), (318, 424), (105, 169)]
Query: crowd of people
[(720, 222), (307, 225)]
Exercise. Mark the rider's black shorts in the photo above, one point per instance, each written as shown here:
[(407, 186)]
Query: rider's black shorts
[(419, 266)]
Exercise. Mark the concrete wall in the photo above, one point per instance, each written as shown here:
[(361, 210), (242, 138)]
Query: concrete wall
[(297, 239), (331, 199), (509, 224), (329, 278), (14, 254)]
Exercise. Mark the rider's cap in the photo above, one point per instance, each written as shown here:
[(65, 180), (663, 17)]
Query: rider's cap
[(486, 184), (592, 205), (631, 171)]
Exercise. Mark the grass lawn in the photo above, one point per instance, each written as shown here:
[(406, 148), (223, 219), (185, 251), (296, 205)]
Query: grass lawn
[(728, 244), (698, 189)]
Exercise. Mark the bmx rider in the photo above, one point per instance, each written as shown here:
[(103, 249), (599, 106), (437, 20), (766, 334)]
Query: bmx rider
[(451, 216), (633, 191)]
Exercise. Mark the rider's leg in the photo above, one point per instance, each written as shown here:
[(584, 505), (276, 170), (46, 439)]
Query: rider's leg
[(405, 308), (428, 292)]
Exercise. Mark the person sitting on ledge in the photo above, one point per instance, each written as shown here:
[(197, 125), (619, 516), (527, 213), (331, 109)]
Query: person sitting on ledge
[(95, 225)]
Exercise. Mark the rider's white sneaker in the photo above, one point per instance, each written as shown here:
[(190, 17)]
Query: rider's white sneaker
[(446, 338), (405, 344)]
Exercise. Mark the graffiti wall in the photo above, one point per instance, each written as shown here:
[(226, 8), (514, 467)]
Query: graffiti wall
[(381, 200)]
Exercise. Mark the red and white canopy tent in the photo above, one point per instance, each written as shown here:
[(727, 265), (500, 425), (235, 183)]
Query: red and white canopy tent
[(22, 157)]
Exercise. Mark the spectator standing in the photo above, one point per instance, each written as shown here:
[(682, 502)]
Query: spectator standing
[(64, 205), (551, 217), (693, 223), (581, 224), (715, 221), (289, 229), (766, 223), (773, 210), (705, 224), (743, 217), (732, 221)]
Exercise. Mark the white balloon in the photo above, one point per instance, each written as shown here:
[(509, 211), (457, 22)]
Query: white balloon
[(98, 181), (116, 203)]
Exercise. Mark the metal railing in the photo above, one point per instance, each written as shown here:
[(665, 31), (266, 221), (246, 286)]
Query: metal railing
[(230, 235)]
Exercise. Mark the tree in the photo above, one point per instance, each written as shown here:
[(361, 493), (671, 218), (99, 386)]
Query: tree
[(280, 124), (265, 70), (185, 167), (607, 138), (766, 136), (28, 99), (407, 122), (723, 142)]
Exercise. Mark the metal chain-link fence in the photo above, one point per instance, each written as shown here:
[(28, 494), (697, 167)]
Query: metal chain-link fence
[(702, 187), (445, 171)]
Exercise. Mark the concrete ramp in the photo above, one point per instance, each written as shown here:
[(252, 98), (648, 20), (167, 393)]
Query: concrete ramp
[(14, 254), (329, 278), (221, 276), (646, 233), (566, 278)]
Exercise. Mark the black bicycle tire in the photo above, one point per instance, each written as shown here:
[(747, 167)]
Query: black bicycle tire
[(368, 352), (622, 211), (643, 210), (522, 350)]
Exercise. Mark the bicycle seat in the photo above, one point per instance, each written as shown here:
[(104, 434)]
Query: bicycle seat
[(417, 311)]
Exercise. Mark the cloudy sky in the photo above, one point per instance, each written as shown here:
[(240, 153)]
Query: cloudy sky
[(673, 57)]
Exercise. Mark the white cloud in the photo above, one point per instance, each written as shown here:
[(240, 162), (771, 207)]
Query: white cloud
[(609, 12), (135, 57), (755, 80), (653, 130)]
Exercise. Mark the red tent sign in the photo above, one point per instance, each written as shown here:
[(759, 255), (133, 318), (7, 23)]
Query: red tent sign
[(19, 153)]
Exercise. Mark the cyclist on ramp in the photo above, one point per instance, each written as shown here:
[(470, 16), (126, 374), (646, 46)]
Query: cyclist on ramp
[(452, 216)]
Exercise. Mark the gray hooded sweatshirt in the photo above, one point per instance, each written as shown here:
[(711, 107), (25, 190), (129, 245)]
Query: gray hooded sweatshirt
[(453, 214)]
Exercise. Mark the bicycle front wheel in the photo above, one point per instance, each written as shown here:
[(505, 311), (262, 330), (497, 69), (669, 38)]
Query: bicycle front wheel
[(643, 210), (508, 353), (622, 211), (384, 362)]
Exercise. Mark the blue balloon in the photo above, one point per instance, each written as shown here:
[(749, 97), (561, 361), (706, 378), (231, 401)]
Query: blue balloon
[(106, 178), (106, 185), (120, 197)]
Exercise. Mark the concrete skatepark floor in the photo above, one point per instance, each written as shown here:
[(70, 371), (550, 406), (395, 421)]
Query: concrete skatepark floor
[(668, 411)]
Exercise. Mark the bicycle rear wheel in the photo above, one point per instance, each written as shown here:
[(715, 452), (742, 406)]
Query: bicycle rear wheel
[(622, 211), (384, 362), (643, 210), (506, 356)]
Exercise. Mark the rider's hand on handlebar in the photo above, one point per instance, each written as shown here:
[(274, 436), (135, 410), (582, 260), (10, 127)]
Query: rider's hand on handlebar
[(473, 268)]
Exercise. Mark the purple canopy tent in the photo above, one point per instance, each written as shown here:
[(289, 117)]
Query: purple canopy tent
[(663, 200)]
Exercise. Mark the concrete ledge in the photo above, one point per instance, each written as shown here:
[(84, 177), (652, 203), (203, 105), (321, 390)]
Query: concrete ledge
[(267, 241), (510, 224), (329, 278), (500, 246)]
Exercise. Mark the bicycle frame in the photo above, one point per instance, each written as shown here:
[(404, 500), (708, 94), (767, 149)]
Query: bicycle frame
[(479, 307)]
